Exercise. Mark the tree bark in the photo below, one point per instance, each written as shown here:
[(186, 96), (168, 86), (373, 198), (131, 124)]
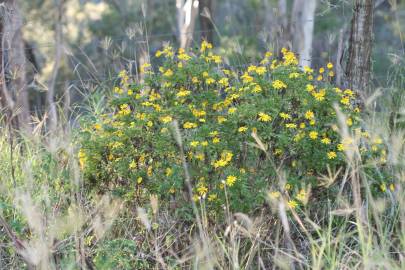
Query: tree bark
[(187, 11), (358, 69), (302, 29), (13, 63), (50, 94), (206, 25)]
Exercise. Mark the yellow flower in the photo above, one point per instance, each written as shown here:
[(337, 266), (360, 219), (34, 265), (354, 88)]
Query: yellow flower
[(246, 78), (289, 57), (310, 87), (252, 68), (264, 117), (205, 45), (331, 155), (132, 165), (189, 125), (309, 115), (292, 204), (200, 156), (345, 100), (291, 125), (183, 56), (82, 158), (169, 171), (139, 180), (150, 171), (194, 143), (202, 190), (124, 110), (308, 70), (348, 92), (226, 157), (168, 73), (313, 135), (209, 81), (319, 95), (293, 75), (224, 82), (118, 90), (212, 197), (242, 129), (349, 122), (340, 147), (214, 133), (378, 140), (277, 84), (221, 119), (97, 126), (217, 59), (198, 113), (232, 110), (261, 70), (257, 88), (204, 143), (285, 116), (166, 119), (215, 140), (230, 180), (329, 65), (183, 93), (302, 196), (158, 53), (321, 70), (325, 140)]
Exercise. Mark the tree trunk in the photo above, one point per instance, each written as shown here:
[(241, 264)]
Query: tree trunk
[(187, 11), (50, 95), (206, 25), (302, 29), (358, 69), (13, 64)]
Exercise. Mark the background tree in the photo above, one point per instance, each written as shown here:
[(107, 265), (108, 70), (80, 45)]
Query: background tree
[(358, 68), (186, 15), (302, 29), (205, 16), (13, 65)]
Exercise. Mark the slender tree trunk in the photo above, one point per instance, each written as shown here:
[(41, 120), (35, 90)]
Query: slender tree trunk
[(187, 11), (206, 25), (302, 29), (50, 95), (358, 69), (283, 33), (13, 65)]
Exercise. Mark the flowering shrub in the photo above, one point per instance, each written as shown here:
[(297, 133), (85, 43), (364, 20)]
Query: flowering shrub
[(238, 129)]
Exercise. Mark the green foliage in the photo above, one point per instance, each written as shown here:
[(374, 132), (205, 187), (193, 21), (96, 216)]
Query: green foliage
[(238, 129), (118, 254)]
